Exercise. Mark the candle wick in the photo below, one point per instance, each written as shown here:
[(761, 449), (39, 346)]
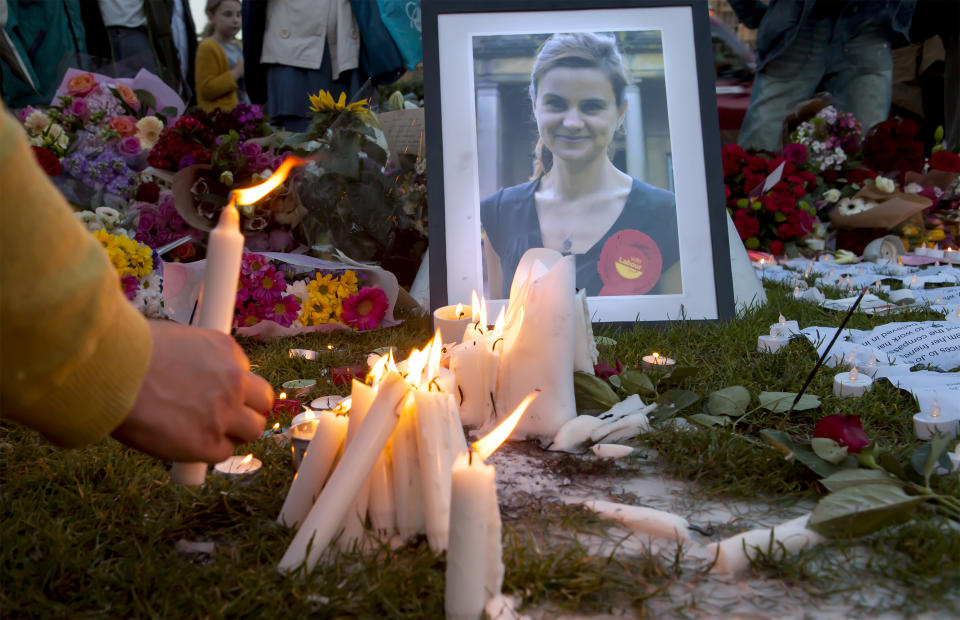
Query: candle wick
[(470, 457), (493, 347), (434, 382)]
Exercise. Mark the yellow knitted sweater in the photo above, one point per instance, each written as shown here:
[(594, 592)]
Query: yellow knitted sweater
[(216, 88), (73, 350)]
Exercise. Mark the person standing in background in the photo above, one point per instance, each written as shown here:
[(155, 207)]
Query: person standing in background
[(219, 70), (806, 46), (157, 35)]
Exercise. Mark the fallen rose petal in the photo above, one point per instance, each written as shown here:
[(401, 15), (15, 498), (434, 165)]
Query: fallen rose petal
[(846, 430)]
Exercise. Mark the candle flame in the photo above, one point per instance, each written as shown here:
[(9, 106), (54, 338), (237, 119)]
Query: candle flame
[(782, 320), (656, 357), (379, 371), (853, 374), (935, 410), (872, 360), (501, 319), (424, 365), (250, 195), (309, 414), (283, 395), (474, 303), (247, 459), (276, 426), (329, 347), (482, 314), (487, 445), (796, 291), (459, 312)]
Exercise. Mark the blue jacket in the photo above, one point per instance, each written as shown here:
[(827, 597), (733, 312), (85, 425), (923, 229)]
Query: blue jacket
[(779, 22)]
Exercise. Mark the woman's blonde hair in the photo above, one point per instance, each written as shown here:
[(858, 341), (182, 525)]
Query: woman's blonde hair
[(211, 7), (577, 50)]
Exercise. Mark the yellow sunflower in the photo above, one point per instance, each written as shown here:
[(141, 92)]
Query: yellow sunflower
[(323, 102)]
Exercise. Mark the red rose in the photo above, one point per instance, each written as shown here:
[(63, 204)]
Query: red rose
[(48, 161), (751, 180), (148, 192), (747, 226), (756, 163), (605, 371), (733, 157), (945, 160), (907, 129), (726, 192), (846, 430), (185, 251), (795, 153), (859, 175), (776, 247)]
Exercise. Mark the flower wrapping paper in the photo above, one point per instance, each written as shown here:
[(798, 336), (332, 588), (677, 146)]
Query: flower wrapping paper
[(891, 209), (182, 283)]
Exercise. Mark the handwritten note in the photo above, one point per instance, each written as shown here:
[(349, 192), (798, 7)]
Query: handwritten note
[(934, 343)]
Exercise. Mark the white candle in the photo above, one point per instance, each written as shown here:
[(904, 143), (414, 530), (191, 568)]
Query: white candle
[(434, 453), (324, 519), (383, 509), (611, 450), (475, 364), (926, 424), (954, 317), (452, 322), (473, 492), (407, 491), (538, 348), (238, 466), (655, 360), (771, 343), (643, 520), (735, 553), (217, 301), (851, 384), (784, 327), (317, 463), (585, 353), (361, 398)]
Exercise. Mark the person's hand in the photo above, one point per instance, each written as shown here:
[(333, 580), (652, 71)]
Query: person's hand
[(198, 399), (237, 70)]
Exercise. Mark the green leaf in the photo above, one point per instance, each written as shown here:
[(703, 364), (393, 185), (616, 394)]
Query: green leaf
[(819, 466), (635, 382), (924, 458), (614, 380), (592, 393), (147, 100), (709, 420), (780, 440), (678, 373), (603, 341), (892, 465), (854, 477), (779, 402), (679, 399), (860, 510), (732, 401), (829, 450), (168, 111)]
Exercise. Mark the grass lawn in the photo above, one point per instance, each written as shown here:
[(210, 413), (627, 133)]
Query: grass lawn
[(92, 532)]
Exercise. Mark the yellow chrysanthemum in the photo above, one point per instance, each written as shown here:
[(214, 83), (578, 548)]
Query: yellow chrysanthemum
[(347, 285), (129, 257), (322, 286)]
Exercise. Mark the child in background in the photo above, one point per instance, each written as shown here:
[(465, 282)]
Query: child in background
[(219, 70)]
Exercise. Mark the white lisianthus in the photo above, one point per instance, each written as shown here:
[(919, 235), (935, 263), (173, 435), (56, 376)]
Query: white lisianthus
[(87, 217), (299, 289), (55, 131), (913, 188), (63, 141), (831, 195), (226, 177), (109, 217), (885, 185), (148, 131), (37, 121)]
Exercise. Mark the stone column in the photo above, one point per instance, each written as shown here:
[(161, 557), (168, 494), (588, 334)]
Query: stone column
[(488, 137), (635, 138)]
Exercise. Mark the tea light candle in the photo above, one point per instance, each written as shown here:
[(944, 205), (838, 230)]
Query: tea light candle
[(851, 384), (299, 388), (238, 466), (954, 317), (655, 360), (783, 327), (771, 343), (452, 322), (871, 366), (927, 424), (284, 405), (328, 402)]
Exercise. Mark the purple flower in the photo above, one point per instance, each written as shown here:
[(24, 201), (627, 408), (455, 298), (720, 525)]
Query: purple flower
[(186, 161), (284, 311), (130, 286), (78, 107), (281, 240), (250, 149), (260, 162), (268, 286), (254, 263), (130, 146)]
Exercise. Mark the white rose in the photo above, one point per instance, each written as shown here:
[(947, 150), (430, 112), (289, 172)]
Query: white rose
[(55, 131), (832, 195), (885, 185), (37, 121)]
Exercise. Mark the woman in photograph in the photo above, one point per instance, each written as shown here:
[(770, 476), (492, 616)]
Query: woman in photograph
[(623, 232)]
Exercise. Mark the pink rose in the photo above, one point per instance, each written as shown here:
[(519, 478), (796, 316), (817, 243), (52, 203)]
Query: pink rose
[(250, 149), (129, 97), (78, 107), (130, 146), (81, 85), (124, 125)]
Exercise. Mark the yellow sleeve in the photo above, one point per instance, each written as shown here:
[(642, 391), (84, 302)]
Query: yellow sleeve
[(73, 350), (212, 72)]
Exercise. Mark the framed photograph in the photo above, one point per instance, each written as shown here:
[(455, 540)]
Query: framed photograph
[(585, 126)]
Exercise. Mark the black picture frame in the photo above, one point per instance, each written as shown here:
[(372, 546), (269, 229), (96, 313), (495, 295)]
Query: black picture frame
[(453, 42)]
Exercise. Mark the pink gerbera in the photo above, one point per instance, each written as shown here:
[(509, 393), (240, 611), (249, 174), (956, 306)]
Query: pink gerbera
[(284, 311), (365, 309), (248, 315), (130, 286), (253, 263)]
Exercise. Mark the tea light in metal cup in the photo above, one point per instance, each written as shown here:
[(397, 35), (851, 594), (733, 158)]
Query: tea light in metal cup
[(655, 360), (851, 384), (238, 466), (302, 429), (310, 354), (284, 405), (452, 322), (926, 424), (299, 388), (325, 402)]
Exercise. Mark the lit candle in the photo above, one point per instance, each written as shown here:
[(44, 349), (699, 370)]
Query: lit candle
[(285, 406), (217, 301), (452, 322), (383, 508), (783, 327), (324, 520), (361, 398), (238, 466), (474, 565), (299, 388), (954, 317), (408, 494), (474, 362), (319, 459), (771, 343), (851, 384), (928, 424), (657, 361)]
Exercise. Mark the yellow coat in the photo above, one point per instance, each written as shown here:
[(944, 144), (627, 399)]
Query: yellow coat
[(216, 88), (73, 350)]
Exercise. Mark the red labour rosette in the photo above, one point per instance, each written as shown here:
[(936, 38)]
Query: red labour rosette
[(630, 264)]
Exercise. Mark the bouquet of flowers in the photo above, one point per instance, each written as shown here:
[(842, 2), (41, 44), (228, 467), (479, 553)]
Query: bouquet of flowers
[(99, 130), (159, 223), (773, 219), (193, 138), (134, 262), (830, 138)]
